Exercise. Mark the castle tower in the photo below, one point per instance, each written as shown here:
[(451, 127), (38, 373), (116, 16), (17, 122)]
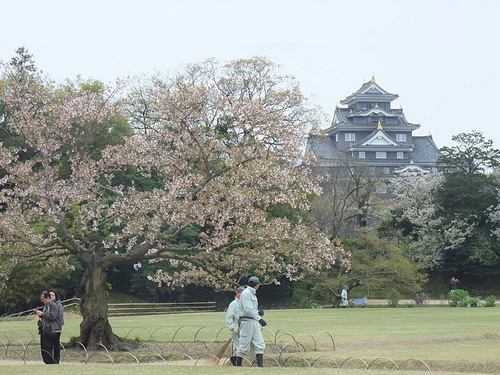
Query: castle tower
[(370, 132)]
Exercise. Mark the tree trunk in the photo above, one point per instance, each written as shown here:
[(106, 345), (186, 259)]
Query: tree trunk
[(337, 296), (336, 302), (95, 328)]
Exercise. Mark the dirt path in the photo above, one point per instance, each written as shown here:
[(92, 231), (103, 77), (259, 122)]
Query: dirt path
[(200, 362)]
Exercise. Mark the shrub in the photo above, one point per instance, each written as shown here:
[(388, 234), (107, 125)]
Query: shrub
[(394, 298), (462, 298), (490, 301), (457, 296), (306, 303), (474, 302), (419, 298)]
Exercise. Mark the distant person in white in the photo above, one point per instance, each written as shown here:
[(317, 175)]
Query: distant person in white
[(343, 296)]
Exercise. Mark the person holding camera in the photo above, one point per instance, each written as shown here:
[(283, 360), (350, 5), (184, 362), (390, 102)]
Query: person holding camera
[(453, 284), (48, 325)]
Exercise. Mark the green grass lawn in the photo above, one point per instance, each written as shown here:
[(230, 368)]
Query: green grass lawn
[(445, 338)]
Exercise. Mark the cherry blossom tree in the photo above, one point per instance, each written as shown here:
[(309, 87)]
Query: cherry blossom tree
[(416, 219), (412, 219), (222, 149), (494, 210)]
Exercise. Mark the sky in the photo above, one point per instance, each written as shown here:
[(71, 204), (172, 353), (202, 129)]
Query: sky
[(441, 56)]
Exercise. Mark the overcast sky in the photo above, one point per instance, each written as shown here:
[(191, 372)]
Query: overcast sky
[(441, 56)]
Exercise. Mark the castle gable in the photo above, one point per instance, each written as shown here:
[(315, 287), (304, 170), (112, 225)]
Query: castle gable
[(411, 170), (372, 89), (379, 138)]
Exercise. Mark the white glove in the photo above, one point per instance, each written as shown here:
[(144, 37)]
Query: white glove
[(235, 331)]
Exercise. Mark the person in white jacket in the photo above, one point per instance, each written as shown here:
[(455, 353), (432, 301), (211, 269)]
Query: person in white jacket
[(250, 319), (343, 295), (232, 321)]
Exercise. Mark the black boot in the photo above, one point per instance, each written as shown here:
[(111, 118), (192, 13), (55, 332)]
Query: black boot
[(260, 360), (233, 360), (238, 361)]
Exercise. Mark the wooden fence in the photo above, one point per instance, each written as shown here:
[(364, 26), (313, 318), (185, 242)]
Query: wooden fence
[(118, 309), (133, 308)]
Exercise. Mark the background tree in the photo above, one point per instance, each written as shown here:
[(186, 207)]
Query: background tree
[(383, 267), (378, 269), (24, 285), (349, 203), (219, 159), (466, 195), (473, 153), (447, 225)]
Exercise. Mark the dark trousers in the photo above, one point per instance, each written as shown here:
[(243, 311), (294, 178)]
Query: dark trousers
[(47, 347), (57, 346)]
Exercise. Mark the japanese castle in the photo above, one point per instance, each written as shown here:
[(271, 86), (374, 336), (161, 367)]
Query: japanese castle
[(366, 131)]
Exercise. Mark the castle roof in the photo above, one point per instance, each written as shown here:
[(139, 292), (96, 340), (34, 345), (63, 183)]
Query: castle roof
[(370, 91), (322, 147), (425, 151)]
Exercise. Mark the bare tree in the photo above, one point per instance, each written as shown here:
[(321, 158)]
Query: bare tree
[(349, 202)]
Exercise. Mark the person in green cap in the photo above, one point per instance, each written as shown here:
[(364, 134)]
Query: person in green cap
[(249, 324)]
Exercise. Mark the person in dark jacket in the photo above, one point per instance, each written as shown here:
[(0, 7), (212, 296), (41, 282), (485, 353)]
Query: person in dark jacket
[(56, 334), (50, 321), (453, 284)]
